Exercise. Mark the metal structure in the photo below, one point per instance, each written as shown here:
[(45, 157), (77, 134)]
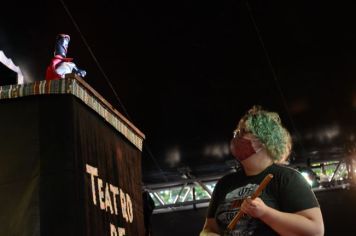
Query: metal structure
[(192, 192)]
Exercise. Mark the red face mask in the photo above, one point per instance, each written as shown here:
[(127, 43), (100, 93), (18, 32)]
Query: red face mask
[(241, 148)]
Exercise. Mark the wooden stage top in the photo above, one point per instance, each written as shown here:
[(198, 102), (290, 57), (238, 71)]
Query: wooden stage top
[(79, 88)]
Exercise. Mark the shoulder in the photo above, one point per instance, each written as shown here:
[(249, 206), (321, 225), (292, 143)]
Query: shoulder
[(227, 183), (286, 173), (284, 170), (231, 178), (288, 176)]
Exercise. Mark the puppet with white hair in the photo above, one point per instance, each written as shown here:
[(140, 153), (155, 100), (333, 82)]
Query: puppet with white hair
[(61, 65)]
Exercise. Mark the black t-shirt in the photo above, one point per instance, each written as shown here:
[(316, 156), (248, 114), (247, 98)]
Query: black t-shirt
[(288, 191)]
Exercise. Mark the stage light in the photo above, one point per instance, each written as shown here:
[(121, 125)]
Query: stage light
[(173, 157), (217, 150)]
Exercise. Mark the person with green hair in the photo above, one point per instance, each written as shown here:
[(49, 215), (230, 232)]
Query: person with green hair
[(286, 206)]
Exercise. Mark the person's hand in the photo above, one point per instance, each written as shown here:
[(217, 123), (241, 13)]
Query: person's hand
[(254, 207)]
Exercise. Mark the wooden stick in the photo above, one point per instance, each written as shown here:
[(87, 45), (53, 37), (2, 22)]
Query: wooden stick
[(257, 193)]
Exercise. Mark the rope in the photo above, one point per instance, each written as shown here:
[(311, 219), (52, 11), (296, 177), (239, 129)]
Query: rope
[(109, 83), (95, 59), (274, 75)]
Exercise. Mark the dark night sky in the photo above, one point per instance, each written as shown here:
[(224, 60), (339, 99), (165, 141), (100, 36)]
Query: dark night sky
[(187, 70)]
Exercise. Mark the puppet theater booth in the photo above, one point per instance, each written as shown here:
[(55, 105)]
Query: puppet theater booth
[(70, 164)]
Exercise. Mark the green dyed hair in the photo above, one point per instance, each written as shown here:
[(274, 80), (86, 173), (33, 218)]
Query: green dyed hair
[(267, 127)]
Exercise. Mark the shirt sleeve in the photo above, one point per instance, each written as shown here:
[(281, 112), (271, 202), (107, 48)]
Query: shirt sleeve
[(295, 193), (215, 198)]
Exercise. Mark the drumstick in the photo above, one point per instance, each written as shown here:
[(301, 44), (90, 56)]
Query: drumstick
[(257, 193)]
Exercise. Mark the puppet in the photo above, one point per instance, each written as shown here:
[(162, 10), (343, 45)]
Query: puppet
[(60, 64)]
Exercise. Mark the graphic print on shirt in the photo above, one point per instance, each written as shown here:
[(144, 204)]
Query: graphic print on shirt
[(231, 205)]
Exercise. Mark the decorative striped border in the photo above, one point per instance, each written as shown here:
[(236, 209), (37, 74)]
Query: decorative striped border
[(74, 87)]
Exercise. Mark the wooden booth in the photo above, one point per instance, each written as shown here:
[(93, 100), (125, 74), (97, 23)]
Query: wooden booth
[(70, 164)]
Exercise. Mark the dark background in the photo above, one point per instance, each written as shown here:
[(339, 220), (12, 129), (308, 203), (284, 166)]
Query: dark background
[(45, 188), (185, 71)]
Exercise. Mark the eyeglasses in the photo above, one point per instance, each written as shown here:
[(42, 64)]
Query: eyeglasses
[(239, 132)]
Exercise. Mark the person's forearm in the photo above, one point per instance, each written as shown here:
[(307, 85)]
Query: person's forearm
[(292, 224)]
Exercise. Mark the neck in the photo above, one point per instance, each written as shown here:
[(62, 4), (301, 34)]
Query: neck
[(257, 163)]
